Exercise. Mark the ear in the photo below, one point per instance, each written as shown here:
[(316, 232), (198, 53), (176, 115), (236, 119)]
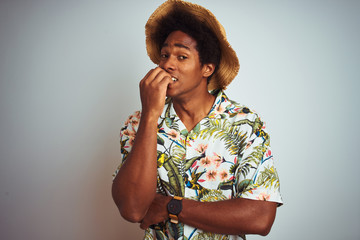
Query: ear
[(208, 69)]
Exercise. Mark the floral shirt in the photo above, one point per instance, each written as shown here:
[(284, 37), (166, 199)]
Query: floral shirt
[(226, 155)]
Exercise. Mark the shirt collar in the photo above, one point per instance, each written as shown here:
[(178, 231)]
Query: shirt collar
[(214, 111), (220, 98)]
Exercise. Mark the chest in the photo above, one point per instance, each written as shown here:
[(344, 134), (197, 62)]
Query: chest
[(199, 164)]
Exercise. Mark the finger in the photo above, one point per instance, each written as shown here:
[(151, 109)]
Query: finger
[(152, 74), (162, 78), (160, 75), (148, 74)]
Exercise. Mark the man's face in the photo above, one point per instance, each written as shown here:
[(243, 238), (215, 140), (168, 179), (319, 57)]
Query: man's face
[(180, 59)]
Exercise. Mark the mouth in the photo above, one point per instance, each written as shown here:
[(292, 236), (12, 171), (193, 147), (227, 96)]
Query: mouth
[(174, 79)]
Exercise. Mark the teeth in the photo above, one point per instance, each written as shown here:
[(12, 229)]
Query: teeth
[(174, 79)]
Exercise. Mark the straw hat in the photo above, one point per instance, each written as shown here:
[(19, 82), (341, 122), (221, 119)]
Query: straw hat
[(229, 63)]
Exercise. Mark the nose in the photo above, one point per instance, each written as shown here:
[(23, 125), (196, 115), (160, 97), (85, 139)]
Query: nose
[(168, 64)]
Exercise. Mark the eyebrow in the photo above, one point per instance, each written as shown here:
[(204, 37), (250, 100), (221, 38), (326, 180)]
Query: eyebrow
[(177, 45)]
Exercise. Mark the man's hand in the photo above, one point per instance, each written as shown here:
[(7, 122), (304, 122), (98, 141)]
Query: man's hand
[(157, 211), (153, 89)]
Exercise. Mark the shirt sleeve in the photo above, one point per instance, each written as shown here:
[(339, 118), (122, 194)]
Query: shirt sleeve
[(127, 138), (256, 176)]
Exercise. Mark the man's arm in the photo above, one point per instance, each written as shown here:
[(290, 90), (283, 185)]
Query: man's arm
[(233, 216), (134, 187)]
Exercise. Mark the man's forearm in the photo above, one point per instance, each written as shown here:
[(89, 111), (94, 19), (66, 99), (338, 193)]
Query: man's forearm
[(234, 216), (230, 217), (134, 187)]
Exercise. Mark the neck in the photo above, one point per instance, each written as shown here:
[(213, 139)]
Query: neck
[(192, 110)]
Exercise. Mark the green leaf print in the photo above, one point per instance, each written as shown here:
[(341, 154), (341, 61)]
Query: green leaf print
[(210, 195), (252, 160), (268, 178), (160, 141), (256, 124), (184, 133), (210, 236), (168, 187), (234, 167), (226, 185), (175, 178), (160, 235), (196, 129), (160, 186), (178, 153), (175, 184), (189, 162), (176, 230), (169, 122), (244, 186), (231, 135)]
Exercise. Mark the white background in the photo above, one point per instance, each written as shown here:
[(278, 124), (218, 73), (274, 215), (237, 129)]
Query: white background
[(69, 74)]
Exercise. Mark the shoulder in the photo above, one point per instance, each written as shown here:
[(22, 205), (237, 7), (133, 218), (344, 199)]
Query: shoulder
[(241, 115), (132, 120), (236, 110), (135, 117)]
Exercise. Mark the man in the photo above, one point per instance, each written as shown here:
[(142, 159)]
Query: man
[(196, 165)]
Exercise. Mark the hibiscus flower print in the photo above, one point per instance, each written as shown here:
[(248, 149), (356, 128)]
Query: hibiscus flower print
[(173, 134), (220, 109), (135, 122), (201, 148), (131, 141), (128, 120), (223, 175), (137, 115), (133, 119), (216, 160), (263, 196), (205, 162), (129, 133), (211, 175)]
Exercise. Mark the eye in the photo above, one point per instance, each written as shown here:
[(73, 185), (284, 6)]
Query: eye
[(163, 55), (181, 57)]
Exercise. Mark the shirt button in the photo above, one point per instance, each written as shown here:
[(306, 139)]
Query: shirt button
[(245, 110)]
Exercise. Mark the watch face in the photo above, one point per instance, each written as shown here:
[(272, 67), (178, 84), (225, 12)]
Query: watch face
[(174, 206)]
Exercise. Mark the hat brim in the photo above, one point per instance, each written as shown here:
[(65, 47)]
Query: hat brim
[(229, 64)]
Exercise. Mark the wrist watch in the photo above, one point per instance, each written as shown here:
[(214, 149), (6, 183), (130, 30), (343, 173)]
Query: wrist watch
[(174, 208)]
